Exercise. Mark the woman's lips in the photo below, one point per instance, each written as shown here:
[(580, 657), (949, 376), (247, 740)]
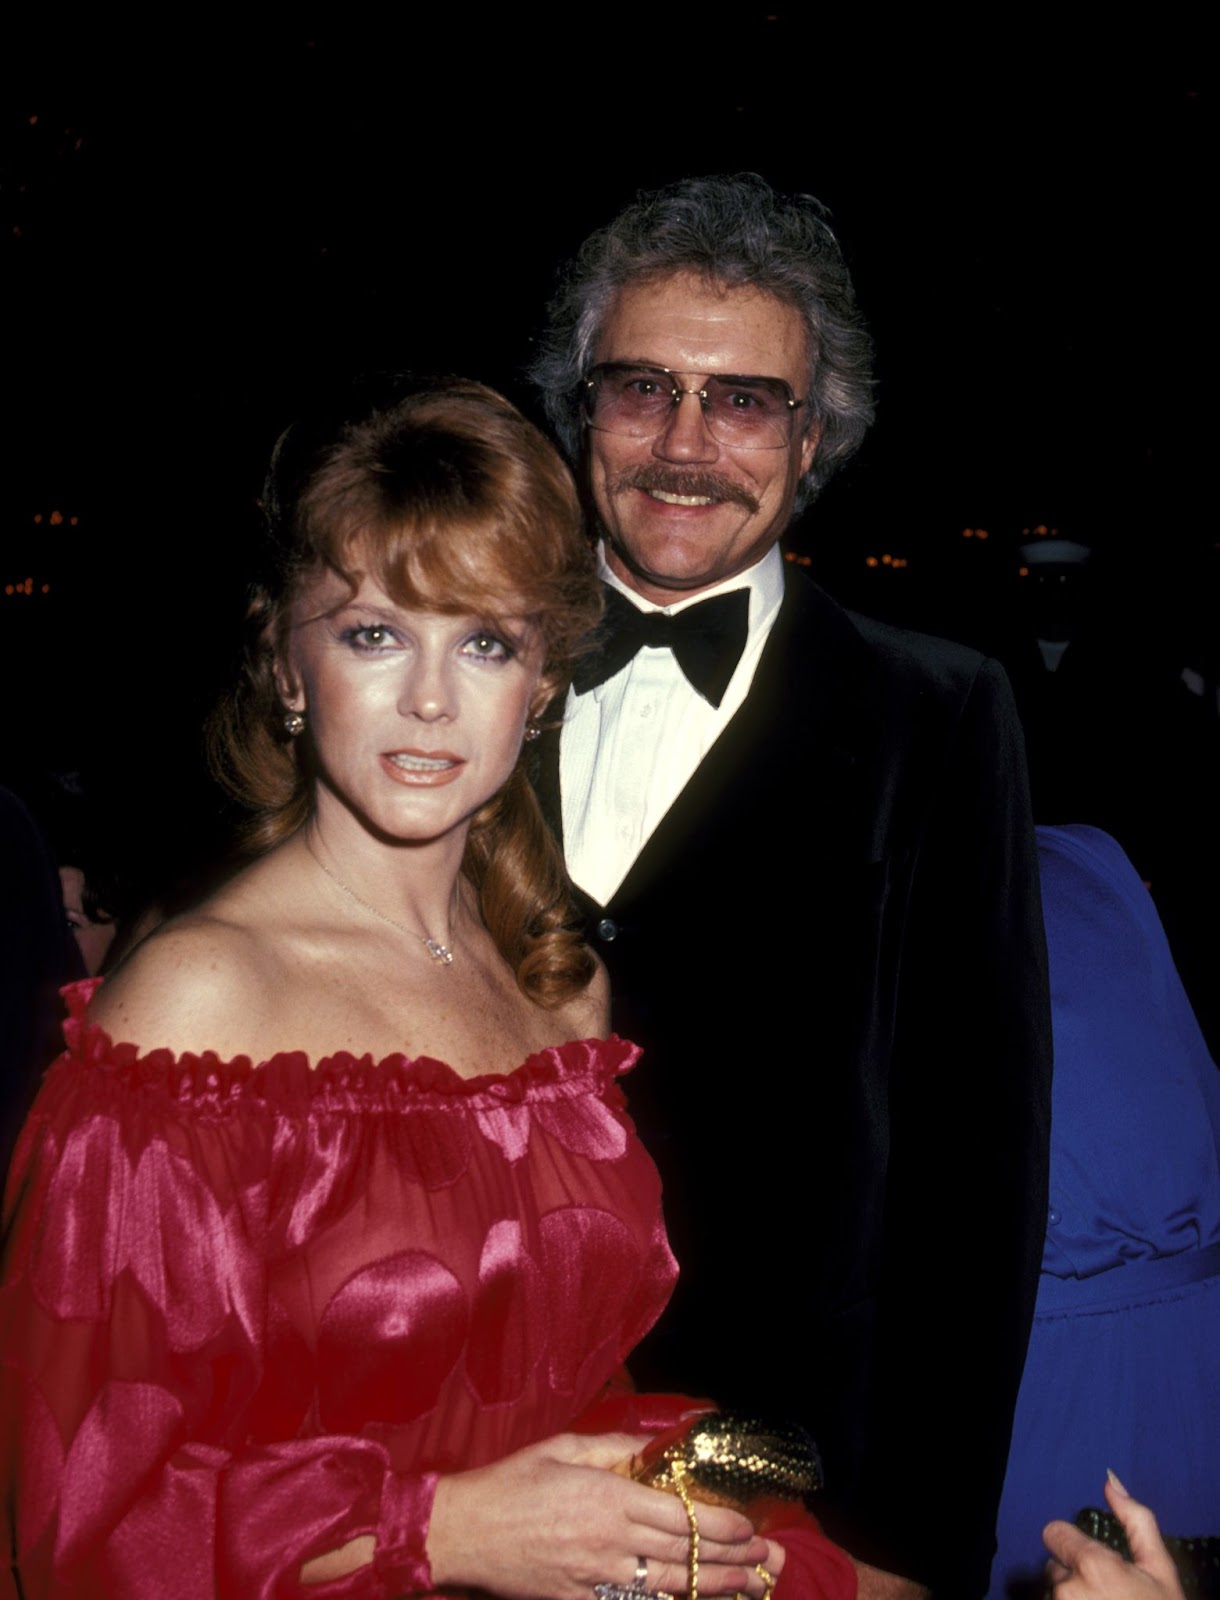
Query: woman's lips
[(425, 769)]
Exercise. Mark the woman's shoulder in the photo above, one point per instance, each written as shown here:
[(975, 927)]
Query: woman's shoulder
[(189, 985)]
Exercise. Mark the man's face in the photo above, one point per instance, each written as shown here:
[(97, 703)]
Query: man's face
[(679, 511)]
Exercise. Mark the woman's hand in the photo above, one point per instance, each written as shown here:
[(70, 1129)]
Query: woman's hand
[(553, 1520), (1082, 1569)]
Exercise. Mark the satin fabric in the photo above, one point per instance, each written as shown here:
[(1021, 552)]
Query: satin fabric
[(250, 1311)]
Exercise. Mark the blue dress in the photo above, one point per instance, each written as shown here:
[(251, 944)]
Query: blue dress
[(1124, 1357)]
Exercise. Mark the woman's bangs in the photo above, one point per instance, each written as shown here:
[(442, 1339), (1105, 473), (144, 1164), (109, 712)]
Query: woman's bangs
[(445, 569)]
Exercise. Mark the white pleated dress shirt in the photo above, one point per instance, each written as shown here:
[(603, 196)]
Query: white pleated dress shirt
[(630, 746)]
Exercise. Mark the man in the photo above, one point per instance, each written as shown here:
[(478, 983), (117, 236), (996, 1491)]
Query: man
[(810, 870)]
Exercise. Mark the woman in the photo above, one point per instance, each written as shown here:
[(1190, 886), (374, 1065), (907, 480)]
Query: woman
[(319, 1320), (1123, 1367)]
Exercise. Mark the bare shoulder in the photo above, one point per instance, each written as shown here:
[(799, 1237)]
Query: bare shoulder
[(186, 986), (587, 1014)]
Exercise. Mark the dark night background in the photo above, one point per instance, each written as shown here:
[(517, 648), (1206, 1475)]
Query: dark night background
[(194, 246)]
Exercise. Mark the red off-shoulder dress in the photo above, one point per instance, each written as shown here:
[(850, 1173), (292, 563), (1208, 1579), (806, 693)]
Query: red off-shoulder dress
[(250, 1312)]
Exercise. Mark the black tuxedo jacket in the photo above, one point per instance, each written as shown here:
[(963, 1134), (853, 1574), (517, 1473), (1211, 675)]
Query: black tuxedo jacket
[(831, 951)]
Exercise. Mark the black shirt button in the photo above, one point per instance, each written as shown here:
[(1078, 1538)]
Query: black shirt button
[(607, 930)]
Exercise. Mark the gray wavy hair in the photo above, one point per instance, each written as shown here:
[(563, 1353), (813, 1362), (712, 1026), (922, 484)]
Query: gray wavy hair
[(733, 230)]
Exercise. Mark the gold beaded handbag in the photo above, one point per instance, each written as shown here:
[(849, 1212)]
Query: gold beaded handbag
[(732, 1459)]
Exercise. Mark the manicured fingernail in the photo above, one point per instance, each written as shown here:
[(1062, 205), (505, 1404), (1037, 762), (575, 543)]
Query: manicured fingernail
[(1117, 1482)]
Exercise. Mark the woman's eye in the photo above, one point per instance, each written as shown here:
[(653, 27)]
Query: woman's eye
[(487, 647), (371, 637)]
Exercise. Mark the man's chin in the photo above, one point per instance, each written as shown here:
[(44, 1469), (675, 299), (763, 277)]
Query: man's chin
[(663, 582)]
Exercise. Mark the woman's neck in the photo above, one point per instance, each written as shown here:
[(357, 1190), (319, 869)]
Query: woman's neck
[(414, 886)]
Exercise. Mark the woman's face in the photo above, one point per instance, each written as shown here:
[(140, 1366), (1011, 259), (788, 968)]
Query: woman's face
[(93, 938), (416, 718)]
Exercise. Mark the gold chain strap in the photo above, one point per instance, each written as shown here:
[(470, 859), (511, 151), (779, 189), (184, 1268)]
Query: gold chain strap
[(692, 1560), (768, 1580)]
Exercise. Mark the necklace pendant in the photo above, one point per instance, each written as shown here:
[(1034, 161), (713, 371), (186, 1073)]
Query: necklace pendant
[(439, 952)]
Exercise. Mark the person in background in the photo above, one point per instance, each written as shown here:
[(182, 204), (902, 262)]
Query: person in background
[(37, 957), (97, 893), (1123, 1368), (92, 925)]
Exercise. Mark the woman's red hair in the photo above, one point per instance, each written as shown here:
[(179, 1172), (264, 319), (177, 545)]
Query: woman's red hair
[(454, 503)]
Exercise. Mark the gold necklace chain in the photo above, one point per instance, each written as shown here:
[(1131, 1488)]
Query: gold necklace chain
[(438, 951)]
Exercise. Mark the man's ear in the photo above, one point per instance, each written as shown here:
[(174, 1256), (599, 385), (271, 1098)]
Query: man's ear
[(809, 446)]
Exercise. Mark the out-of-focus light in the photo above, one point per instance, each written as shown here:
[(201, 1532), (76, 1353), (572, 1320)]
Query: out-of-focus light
[(870, 561), (967, 533), (38, 516), (1022, 572), (56, 518), (981, 533)]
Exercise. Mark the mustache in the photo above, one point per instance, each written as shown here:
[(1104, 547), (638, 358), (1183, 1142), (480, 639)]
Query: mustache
[(687, 481)]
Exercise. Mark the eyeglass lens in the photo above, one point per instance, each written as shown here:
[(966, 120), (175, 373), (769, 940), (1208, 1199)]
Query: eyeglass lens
[(746, 412)]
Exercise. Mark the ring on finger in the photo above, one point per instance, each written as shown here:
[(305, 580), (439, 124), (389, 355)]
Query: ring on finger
[(635, 1590)]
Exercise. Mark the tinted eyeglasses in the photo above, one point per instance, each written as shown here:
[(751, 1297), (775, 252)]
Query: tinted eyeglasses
[(740, 412)]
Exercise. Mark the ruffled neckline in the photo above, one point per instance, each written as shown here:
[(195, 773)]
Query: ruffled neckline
[(189, 1074)]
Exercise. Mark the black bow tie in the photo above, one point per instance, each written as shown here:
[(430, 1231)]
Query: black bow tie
[(707, 640)]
